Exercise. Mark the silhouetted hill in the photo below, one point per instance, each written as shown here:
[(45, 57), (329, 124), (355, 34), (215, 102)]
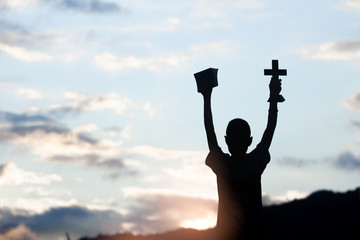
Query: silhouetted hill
[(322, 215)]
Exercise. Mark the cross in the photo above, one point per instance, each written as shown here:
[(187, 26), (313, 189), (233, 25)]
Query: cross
[(275, 72)]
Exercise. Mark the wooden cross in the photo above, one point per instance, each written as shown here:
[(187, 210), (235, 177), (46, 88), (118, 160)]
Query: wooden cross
[(275, 72)]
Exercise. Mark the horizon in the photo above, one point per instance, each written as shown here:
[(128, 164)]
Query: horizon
[(99, 107)]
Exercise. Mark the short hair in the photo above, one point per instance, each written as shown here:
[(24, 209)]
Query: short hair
[(238, 129)]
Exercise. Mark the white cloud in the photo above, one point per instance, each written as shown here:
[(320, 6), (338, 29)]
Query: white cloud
[(112, 62), (342, 50), (18, 3), (30, 93), (352, 4), (168, 25), (27, 45), (160, 61), (127, 131), (249, 4), (86, 128), (151, 109), (11, 175), (289, 195), (353, 102), (24, 54), (221, 47), (40, 204), (219, 9)]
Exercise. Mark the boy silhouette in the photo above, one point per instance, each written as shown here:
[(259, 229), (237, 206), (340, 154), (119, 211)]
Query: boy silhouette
[(239, 173)]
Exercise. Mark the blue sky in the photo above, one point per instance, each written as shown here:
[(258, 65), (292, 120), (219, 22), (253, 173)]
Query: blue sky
[(101, 122)]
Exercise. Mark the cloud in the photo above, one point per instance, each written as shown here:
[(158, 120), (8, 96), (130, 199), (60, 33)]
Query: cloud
[(21, 232), (296, 162), (150, 211), (88, 6), (168, 25), (289, 195), (249, 4), (342, 50), (160, 60), (348, 161), (47, 139), (7, 26), (345, 160), (352, 4), (80, 102), (53, 223), (24, 54), (219, 9), (11, 175), (111, 62), (25, 92), (161, 210), (352, 103), (92, 160), (158, 153), (15, 4), (18, 42), (30, 93), (356, 123)]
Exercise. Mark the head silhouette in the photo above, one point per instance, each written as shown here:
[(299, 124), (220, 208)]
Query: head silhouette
[(238, 136)]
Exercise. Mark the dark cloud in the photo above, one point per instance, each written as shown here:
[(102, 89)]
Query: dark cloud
[(78, 221), (6, 25), (91, 160), (356, 123), (347, 161), (296, 162), (112, 163), (79, 103), (21, 125), (89, 6), (22, 118), (65, 110), (2, 168)]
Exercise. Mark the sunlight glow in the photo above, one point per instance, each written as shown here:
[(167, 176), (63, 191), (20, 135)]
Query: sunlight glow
[(200, 223)]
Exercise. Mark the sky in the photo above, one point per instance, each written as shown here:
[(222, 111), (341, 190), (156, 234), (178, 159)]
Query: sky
[(101, 126)]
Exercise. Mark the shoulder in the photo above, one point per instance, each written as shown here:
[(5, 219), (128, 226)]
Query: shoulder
[(216, 154), (216, 159), (260, 155)]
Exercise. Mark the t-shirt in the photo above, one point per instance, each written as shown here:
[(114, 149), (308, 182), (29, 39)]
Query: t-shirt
[(239, 190)]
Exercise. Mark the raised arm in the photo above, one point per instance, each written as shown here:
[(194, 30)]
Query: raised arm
[(275, 88), (208, 121)]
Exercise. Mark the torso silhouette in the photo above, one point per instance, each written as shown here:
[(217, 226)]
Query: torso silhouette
[(239, 189)]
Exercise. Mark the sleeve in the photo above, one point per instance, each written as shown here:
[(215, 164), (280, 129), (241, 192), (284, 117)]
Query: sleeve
[(216, 161), (262, 158)]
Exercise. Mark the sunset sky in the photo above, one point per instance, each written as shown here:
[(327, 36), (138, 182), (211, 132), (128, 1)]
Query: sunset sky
[(101, 126)]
